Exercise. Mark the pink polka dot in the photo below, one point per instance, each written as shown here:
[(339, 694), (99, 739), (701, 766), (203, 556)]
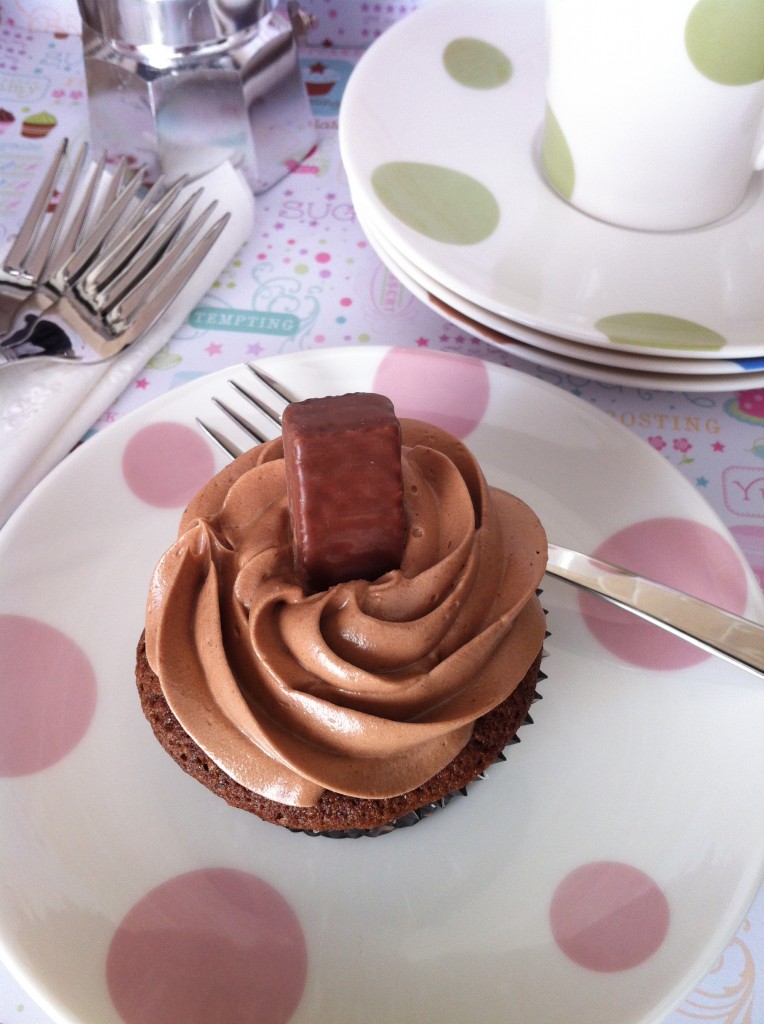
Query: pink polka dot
[(608, 916), (682, 554), (448, 390), (323, 257), (210, 945), (47, 693), (165, 464)]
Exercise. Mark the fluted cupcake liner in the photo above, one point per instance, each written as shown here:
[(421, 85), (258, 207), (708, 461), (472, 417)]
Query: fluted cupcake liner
[(414, 817)]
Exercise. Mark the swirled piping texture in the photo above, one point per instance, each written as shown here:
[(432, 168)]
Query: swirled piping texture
[(367, 688)]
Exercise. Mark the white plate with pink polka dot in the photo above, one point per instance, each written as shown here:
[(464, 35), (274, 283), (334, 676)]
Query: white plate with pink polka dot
[(592, 877), (439, 128)]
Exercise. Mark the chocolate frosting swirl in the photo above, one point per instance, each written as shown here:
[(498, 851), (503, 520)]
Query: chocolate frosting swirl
[(367, 688)]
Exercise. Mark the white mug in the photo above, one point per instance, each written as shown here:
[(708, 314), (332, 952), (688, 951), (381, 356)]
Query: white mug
[(655, 108)]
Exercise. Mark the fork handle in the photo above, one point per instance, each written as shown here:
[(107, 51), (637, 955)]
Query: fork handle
[(720, 632)]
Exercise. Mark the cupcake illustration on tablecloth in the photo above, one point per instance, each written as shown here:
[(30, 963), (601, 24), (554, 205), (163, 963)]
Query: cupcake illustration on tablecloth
[(6, 120), (320, 79), (37, 126)]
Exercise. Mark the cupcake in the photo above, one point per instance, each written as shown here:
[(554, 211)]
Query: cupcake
[(347, 630), (6, 120), (37, 126), (320, 80)]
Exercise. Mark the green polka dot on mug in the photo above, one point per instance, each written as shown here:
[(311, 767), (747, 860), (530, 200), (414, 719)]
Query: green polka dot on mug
[(442, 203), (556, 158), (725, 40), (657, 330), (476, 63), (658, 105)]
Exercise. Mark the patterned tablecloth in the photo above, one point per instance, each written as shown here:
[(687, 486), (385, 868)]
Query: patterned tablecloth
[(308, 279)]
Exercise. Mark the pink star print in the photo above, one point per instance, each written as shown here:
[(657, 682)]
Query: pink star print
[(717, 446), (422, 342), (142, 383), (214, 349)]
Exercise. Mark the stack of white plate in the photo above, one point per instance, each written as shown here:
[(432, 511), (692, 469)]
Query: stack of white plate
[(439, 130)]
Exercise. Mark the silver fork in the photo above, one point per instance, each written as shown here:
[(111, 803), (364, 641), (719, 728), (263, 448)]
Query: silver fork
[(134, 279), (41, 243), (108, 220), (722, 633)]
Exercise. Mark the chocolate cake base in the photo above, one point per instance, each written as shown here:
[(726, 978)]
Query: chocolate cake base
[(335, 813)]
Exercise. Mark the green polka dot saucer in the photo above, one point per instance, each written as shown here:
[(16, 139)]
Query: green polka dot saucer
[(625, 367), (440, 130)]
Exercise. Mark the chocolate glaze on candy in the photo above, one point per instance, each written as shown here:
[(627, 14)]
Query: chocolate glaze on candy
[(343, 473)]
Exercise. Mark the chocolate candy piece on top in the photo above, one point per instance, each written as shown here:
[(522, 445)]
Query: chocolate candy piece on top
[(343, 473)]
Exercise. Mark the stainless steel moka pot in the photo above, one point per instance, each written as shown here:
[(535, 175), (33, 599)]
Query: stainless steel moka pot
[(182, 85)]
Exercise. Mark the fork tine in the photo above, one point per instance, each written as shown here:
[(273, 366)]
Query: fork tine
[(247, 426), (131, 301), (114, 264), (106, 293), (230, 449), (41, 251), (73, 267), (91, 211), (14, 260), (271, 414), (140, 307), (159, 188), (169, 238), (140, 221), (74, 232), (117, 182), (273, 385)]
